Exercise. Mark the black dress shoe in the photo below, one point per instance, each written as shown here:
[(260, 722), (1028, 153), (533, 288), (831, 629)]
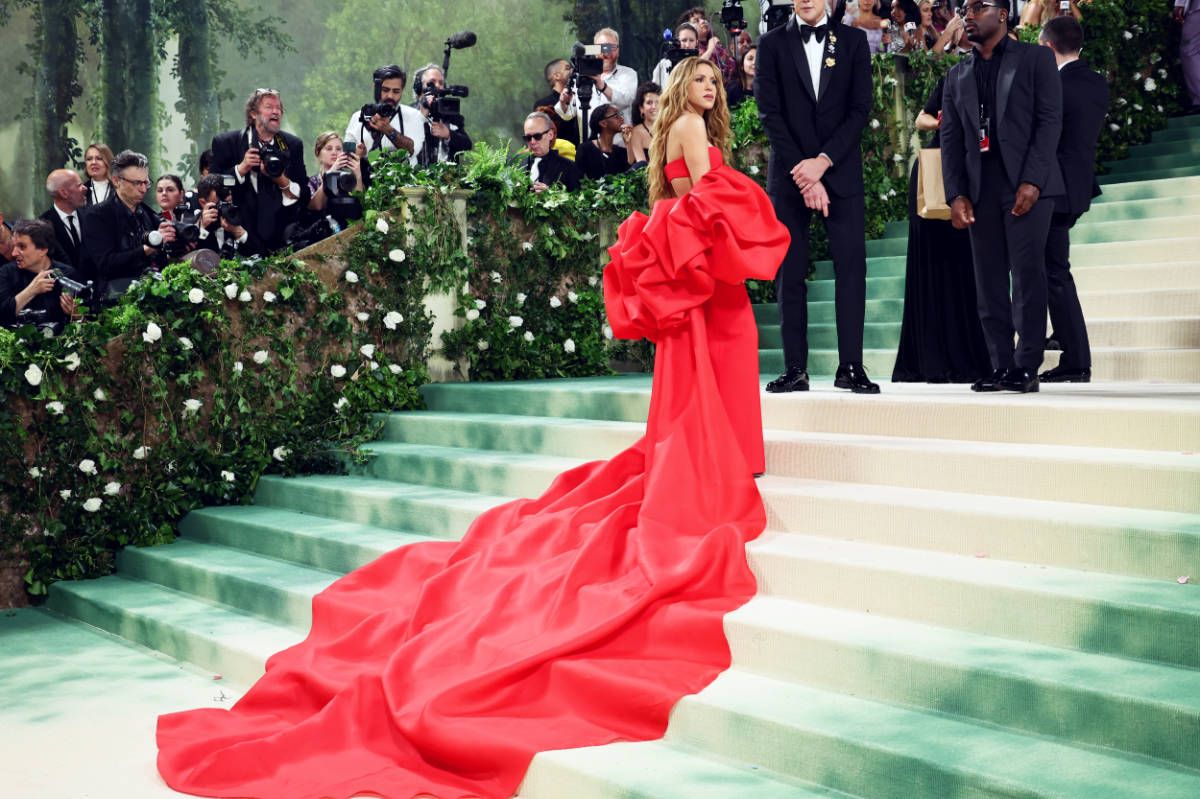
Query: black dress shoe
[(854, 377), (794, 379), (989, 383), (1022, 381), (1060, 374)]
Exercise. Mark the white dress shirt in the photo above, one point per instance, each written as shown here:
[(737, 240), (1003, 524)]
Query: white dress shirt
[(409, 122), (814, 52), (65, 217), (292, 188)]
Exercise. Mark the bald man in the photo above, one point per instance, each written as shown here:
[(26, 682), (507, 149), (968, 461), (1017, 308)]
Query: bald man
[(69, 196)]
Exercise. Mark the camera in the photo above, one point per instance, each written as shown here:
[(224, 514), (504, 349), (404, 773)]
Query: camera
[(909, 27), (1064, 7), (229, 212), (671, 51), (39, 318), (732, 17), (339, 183), (186, 221), (84, 292), (273, 160), (775, 13), (385, 110), (444, 104), (586, 61)]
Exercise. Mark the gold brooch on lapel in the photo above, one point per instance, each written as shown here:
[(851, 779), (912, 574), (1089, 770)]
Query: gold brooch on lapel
[(829, 62), (832, 39)]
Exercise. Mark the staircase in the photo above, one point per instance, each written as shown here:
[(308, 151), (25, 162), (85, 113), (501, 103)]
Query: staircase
[(960, 596), (1135, 257)]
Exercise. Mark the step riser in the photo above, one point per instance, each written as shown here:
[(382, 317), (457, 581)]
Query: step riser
[(1178, 147), (1150, 303), (1137, 278), (824, 363), (215, 654), (1165, 333), (1075, 623), (575, 441), (887, 311), (1148, 162), (518, 480), (1148, 175), (1149, 190), (1090, 230), (824, 337), (542, 400), (1128, 210), (1153, 251), (1081, 714), (1133, 366)]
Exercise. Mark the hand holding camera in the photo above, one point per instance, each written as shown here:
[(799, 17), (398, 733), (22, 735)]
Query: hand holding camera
[(250, 162), (42, 283)]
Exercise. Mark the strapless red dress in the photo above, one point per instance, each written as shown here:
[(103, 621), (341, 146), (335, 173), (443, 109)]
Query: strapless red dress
[(575, 619)]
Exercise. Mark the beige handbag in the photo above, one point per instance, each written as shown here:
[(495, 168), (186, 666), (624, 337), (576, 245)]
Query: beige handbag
[(931, 194)]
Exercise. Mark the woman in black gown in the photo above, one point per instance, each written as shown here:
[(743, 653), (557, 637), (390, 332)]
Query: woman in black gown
[(941, 339)]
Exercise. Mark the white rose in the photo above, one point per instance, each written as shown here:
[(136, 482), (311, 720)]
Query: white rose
[(351, 277), (238, 367), (397, 255), (93, 504), (754, 170), (231, 290), (394, 368), (362, 316), (280, 453), (35, 472), (337, 370), (227, 476), (874, 124), (381, 225), (608, 334), (527, 246), (593, 280), (392, 319), (112, 489), (555, 302), (515, 322), (472, 315), (569, 345), (261, 357), (55, 407), (1114, 127), (1137, 76), (529, 336), (34, 375), (482, 345), (466, 289), (897, 158), (65, 493), (367, 350), (1128, 35), (572, 297), (1150, 84), (139, 454), (72, 361), (245, 296), (480, 304), (520, 298), (268, 296), (99, 395), (191, 406), (374, 366), (185, 342), (496, 278), (87, 466), (196, 296), (153, 333), (341, 403)]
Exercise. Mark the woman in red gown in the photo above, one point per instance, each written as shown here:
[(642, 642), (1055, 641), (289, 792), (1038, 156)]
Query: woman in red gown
[(575, 619)]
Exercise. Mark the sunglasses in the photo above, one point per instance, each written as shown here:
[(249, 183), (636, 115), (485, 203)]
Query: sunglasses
[(975, 9), (532, 137)]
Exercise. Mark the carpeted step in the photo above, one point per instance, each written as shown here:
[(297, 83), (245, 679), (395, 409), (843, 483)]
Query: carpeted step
[(231, 643), (1128, 705), (336, 546), (888, 266), (823, 312), (1175, 332), (1091, 230), (1187, 146), (890, 752), (1135, 277), (270, 588), (1149, 302), (876, 335), (1185, 122), (878, 288), (1153, 544), (878, 248), (1149, 174), (620, 398), (1132, 365), (878, 363), (1176, 134), (1110, 614), (1129, 210), (1148, 190), (493, 472), (1146, 162), (567, 436), (656, 770)]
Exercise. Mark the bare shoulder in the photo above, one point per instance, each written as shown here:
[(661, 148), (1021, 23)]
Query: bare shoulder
[(689, 126)]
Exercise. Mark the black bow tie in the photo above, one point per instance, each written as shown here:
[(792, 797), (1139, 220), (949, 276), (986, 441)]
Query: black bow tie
[(808, 31)]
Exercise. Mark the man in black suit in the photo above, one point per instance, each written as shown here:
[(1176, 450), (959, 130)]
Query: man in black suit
[(222, 232), (813, 86), (1085, 104), (1001, 119), (69, 196), (546, 167), (269, 167)]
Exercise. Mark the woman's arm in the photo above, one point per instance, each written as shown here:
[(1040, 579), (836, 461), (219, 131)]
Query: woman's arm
[(638, 143), (692, 135)]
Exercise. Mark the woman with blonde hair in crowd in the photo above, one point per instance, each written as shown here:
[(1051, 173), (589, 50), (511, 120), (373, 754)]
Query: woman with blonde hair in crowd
[(330, 157), (96, 160)]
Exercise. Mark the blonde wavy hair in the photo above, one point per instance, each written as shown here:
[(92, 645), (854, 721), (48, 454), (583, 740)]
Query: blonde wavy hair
[(672, 104)]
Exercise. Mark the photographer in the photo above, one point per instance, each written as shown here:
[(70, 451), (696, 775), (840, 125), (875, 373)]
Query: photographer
[(122, 237), (686, 43), (30, 291), (710, 45), (616, 84), (558, 78), (545, 165), (332, 157), (444, 138), (220, 224), (268, 165), (388, 124), (69, 195)]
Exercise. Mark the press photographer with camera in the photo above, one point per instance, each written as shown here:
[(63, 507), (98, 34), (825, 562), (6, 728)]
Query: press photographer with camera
[(336, 156), (33, 288), (268, 165), (558, 79), (685, 43), (445, 134), (709, 43), (388, 124), (609, 81), (69, 195), (220, 219), (122, 237)]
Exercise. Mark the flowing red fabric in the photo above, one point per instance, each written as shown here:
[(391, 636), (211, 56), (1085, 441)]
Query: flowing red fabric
[(575, 619)]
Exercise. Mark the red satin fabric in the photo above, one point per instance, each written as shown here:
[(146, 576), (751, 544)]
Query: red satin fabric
[(575, 619)]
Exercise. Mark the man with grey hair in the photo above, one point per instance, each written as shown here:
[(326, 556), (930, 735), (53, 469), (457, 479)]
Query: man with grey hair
[(546, 167), (444, 140), (69, 197), (616, 85)]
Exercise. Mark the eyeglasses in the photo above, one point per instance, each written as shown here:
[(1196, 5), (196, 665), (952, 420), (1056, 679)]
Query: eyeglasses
[(531, 137), (975, 9), (142, 184)]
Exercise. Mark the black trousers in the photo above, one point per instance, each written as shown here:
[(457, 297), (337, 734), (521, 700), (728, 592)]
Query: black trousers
[(1003, 247), (846, 226), (1066, 315)]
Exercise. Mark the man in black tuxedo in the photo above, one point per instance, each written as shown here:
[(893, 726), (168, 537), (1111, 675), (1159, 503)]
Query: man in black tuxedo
[(813, 86), (1085, 104), (69, 196), (269, 167), (546, 167), (222, 232), (1001, 119)]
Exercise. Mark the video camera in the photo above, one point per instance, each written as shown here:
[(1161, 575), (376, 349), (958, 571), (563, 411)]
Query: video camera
[(732, 17), (671, 50), (587, 63), (444, 104), (84, 292), (775, 13)]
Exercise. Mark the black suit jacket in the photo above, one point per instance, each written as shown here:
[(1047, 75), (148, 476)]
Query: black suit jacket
[(1028, 123), (799, 126), (263, 212), (112, 241), (65, 250), (556, 169), (1085, 104), (14, 280)]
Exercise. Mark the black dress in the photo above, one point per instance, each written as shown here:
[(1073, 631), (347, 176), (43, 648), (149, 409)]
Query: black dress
[(941, 339), (595, 163)]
